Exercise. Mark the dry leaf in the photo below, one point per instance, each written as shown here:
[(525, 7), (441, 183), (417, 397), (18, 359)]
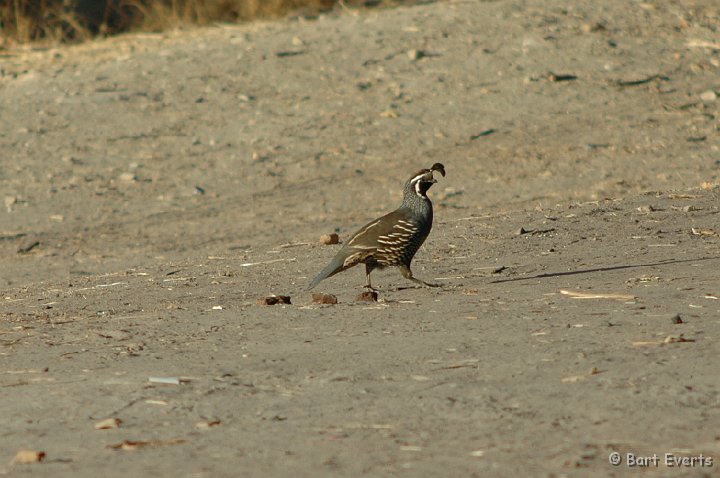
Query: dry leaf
[(207, 424), (589, 295), (166, 380), (670, 339), (23, 457), (674, 339), (156, 402), (108, 423), (703, 232), (703, 44), (645, 344), (410, 448), (129, 445)]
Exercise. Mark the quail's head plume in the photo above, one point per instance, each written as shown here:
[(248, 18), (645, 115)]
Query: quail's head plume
[(393, 239)]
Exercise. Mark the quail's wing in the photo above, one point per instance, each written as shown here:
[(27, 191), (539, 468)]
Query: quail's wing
[(391, 229)]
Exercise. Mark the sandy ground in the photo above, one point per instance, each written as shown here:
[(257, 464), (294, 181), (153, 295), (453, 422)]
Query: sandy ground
[(155, 187)]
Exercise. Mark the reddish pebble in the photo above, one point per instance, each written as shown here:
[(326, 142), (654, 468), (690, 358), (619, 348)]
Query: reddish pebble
[(321, 298), (328, 239), (274, 299), (368, 296)]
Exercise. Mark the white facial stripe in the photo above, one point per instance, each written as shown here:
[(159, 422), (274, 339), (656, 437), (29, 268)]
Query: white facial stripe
[(418, 177)]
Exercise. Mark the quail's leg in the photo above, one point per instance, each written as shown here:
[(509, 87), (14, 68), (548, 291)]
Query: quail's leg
[(407, 273), (368, 270)]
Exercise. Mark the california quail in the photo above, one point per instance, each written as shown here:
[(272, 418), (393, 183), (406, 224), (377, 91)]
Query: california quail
[(393, 239)]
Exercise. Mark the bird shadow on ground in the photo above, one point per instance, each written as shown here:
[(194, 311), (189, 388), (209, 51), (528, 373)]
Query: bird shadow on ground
[(603, 269)]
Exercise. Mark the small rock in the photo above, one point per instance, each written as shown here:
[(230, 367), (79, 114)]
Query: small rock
[(127, 177), (708, 96), (677, 319), (320, 298), (367, 296), (328, 239), (520, 231), (274, 299)]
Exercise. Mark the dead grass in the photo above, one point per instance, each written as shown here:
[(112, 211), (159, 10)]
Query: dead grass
[(73, 21)]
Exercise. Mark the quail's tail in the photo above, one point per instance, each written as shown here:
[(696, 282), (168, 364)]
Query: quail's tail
[(335, 266)]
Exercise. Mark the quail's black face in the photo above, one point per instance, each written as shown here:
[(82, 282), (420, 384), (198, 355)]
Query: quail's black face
[(422, 186)]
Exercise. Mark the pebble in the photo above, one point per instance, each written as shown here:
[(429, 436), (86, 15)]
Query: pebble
[(367, 296), (708, 96), (328, 239), (320, 298), (274, 299)]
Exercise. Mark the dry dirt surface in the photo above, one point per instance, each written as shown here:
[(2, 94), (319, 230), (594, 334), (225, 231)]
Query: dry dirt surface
[(156, 187)]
